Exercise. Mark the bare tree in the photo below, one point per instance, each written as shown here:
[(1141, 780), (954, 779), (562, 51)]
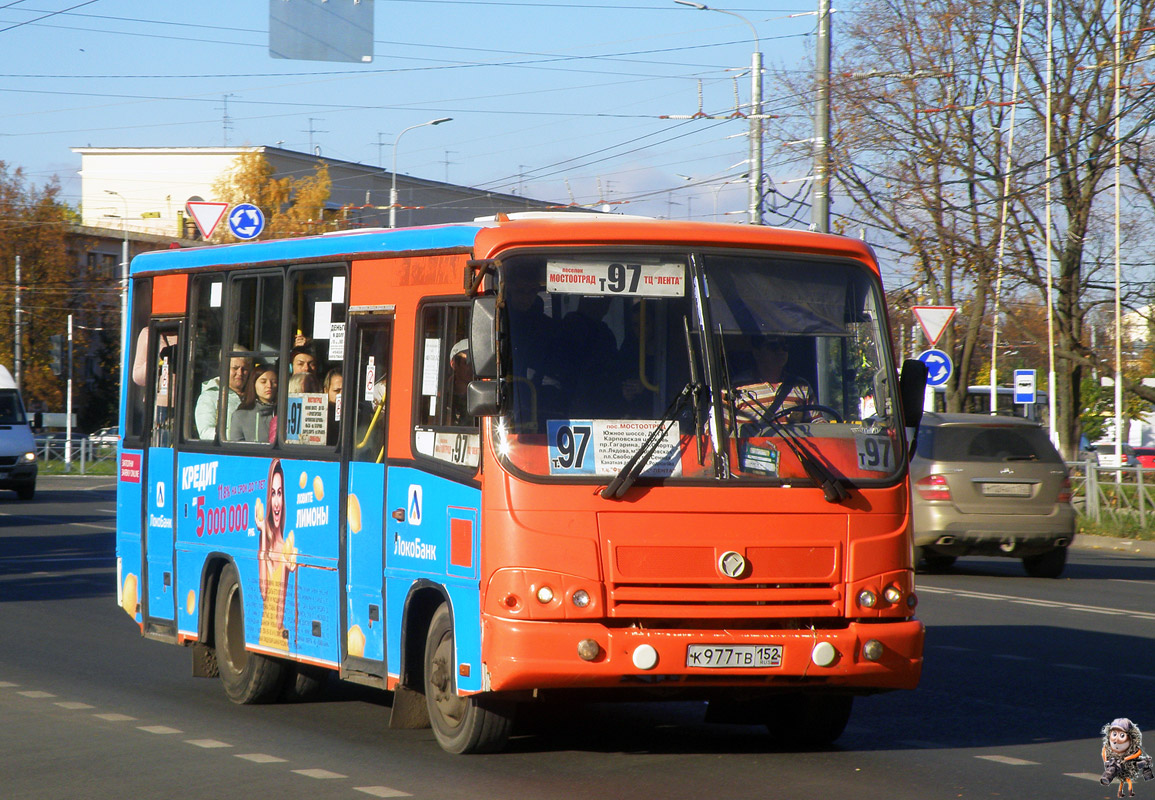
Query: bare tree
[(921, 150)]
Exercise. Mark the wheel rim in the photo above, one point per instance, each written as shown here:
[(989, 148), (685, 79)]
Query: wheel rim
[(235, 632), (450, 708)]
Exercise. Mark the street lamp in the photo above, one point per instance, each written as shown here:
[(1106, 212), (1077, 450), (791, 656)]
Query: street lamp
[(393, 186), (123, 275), (755, 209)]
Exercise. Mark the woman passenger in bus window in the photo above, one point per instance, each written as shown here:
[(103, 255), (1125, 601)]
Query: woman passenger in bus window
[(276, 558), (251, 420)]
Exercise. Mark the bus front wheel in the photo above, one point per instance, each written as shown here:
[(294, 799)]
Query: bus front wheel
[(247, 677), (473, 724), (807, 720)]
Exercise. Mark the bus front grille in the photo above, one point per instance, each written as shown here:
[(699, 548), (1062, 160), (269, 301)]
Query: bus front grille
[(768, 601)]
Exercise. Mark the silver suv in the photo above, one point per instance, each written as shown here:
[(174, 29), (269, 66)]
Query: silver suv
[(990, 485)]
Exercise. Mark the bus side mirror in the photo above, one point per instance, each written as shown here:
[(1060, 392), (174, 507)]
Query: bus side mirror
[(38, 420), (483, 336), (912, 388), (483, 398)]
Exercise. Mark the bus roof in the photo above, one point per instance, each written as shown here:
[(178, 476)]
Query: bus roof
[(486, 239)]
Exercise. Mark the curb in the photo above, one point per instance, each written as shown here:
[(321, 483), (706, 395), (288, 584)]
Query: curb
[(1085, 541)]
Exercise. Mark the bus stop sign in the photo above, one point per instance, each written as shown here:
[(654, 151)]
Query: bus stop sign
[(1024, 386)]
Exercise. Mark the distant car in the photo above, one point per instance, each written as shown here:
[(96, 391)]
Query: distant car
[(1146, 457), (106, 437), (1106, 453), (991, 486)]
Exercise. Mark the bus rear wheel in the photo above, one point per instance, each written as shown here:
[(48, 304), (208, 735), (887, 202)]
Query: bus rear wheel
[(247, 677), (474, 724)]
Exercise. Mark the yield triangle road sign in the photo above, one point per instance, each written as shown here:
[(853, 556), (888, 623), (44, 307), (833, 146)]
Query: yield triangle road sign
[(206, 215), (934, 320)]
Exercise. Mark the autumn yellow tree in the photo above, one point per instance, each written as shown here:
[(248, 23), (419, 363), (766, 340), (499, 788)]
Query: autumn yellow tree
[(33, 224), (292, 206)]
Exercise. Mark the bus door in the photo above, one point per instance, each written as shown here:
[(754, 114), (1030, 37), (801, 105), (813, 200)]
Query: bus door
[(159, 597), (364, 412)]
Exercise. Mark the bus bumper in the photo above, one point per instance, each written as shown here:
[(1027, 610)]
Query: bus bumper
[(521, 655)]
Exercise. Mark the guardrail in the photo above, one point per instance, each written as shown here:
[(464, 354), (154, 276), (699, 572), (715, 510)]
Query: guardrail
[(85, 456), (1121, 493)]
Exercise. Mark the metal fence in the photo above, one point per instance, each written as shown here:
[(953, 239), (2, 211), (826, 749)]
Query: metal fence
[(1125, 494), (53, 455)]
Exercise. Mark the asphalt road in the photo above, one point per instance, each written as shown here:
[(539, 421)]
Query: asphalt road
[(1020, 675)]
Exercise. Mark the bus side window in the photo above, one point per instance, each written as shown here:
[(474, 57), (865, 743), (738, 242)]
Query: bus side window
[(315, 346), (203, 376), (445, 430), (133, 427), (255, 303)]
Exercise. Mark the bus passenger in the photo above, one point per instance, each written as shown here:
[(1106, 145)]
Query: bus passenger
[(761, 394), (302, 359), (253, 416), (208, 401), (461, 373), (334, 382), (276, 558)]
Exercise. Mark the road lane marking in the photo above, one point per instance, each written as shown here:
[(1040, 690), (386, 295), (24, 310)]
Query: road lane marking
[(1073, 666), (319, 774), (208, 744), (72, 705), (381, 791), (1011, 657), (1087, 776), (36, 695), (8, 685), (160, 730), (1140, 677), (1012, 762), (115, 717), (973, 595), (260, 758)]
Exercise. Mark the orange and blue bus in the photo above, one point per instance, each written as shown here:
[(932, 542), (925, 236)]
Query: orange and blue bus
[(490, 464)]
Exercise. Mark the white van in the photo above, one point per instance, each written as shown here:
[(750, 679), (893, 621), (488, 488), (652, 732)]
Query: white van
[(17, 448)]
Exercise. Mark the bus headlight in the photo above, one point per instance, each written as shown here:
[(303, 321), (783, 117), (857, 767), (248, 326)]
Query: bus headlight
[(544, 595), (30, 456), (867, 599), (892, 594), (581, 598)]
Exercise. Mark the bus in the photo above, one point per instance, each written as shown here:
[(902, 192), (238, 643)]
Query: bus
[(978, 401), (507, 462)]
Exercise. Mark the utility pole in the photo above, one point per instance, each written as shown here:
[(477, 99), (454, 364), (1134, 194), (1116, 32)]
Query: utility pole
[(17, 348), (821, 208)]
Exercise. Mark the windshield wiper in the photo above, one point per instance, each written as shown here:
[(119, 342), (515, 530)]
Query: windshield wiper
[(696, 400), (637, 462), (833, 487)]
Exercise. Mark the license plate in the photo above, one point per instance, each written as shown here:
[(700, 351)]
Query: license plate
[(1007, 489), (738, 656)]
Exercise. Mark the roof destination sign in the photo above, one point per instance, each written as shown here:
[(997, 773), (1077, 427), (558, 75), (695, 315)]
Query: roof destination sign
[(617, 277)]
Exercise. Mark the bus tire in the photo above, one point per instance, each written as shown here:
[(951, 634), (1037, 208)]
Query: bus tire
[(807, 720), (938, 562), (1046, 565), (304, 682), (247, 677), (473, 724)]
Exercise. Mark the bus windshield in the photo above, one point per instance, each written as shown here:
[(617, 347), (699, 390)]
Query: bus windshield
[(750, 365)]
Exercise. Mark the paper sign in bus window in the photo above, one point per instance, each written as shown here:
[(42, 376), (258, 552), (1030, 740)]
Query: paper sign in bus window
[(602, 447)]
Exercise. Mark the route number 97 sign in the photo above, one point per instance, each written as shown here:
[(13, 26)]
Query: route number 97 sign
[(616, 277)]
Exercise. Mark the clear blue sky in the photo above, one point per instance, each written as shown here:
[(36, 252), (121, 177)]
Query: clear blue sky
[(541, 93)]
